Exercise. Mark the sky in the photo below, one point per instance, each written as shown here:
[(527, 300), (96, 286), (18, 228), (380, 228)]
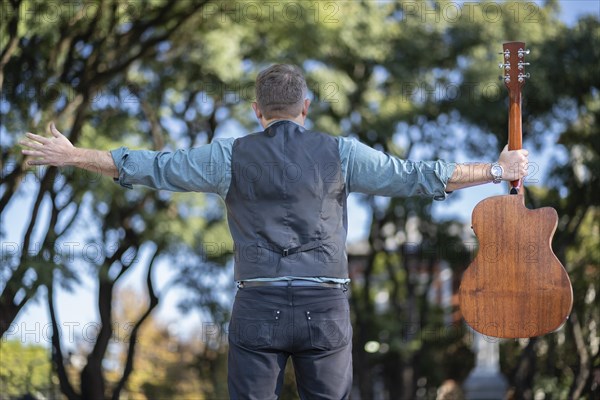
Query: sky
[(571, 10), (78, 311)]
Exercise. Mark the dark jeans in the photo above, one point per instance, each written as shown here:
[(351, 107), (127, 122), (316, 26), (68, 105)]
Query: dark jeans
[(270, 324)]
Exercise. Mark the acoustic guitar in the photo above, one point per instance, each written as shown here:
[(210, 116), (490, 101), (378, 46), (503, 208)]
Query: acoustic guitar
[(515, 287)]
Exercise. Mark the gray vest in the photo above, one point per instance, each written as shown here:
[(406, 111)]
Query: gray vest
[(287, 204)]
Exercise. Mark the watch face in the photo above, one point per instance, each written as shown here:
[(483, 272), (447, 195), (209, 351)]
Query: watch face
[(497, 171)]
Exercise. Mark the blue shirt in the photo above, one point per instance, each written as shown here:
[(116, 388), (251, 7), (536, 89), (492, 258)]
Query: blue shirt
[(208, 168)]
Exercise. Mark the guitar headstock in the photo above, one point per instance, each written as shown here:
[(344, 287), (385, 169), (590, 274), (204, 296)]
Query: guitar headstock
[(513, 64)]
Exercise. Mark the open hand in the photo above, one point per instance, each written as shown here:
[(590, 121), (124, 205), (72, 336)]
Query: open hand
[(56, 150), (514, 163)]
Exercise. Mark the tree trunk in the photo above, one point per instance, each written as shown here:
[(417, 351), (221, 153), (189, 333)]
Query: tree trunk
[(92, 375), (579, 384), (523, 377)]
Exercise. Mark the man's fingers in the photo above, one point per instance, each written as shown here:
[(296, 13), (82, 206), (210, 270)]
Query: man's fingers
[(54, 131), (37, 162), (31, 145), (34, 157), (32, 153), (43, 150), (37, 138), (28, 144)]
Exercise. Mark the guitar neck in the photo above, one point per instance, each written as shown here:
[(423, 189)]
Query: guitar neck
[(514, 78), (515, 131)]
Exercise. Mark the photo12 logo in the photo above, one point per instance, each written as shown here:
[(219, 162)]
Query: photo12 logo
[(69, 332), (273, 11), (455, 12), (74, 11), (65, 251)]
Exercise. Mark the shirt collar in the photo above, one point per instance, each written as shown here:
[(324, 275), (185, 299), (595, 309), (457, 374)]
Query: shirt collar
[(280, 120)]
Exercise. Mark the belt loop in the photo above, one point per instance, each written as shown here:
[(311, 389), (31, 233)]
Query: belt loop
[(286, 252), (345, 287)]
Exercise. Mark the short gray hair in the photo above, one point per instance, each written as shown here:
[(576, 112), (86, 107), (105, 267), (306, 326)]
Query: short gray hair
[(280, 91)]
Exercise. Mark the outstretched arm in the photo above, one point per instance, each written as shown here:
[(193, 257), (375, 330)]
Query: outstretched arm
[(58, 151), (201, 169), (374, 172), (514, 165)]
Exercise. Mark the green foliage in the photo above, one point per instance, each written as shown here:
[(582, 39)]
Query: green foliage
[(24, 369)]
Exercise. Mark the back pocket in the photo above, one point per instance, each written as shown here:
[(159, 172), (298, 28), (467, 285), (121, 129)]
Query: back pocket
[(253, 328), (329, 328)]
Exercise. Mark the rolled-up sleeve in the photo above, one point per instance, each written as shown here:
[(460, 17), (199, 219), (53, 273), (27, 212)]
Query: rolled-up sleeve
[(374, 172), (202, 169)]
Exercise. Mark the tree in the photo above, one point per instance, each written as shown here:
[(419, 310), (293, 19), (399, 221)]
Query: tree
[(74, 64), (165, 364)]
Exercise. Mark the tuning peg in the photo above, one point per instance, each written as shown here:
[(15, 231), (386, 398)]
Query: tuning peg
[(523, 76), (506, 78), (522, 52), (504, 65), (506, 53), (521, 64)]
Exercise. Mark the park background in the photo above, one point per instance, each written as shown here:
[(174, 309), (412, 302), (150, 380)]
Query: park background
[(138, 283)]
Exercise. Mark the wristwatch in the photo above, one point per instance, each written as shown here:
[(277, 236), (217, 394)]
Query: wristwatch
[(497, 172)]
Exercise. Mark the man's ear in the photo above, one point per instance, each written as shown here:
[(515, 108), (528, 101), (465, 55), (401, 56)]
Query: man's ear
[(257, 111), (305, 107)]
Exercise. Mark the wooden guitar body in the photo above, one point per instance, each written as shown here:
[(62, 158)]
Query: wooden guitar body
[(515, 287)]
